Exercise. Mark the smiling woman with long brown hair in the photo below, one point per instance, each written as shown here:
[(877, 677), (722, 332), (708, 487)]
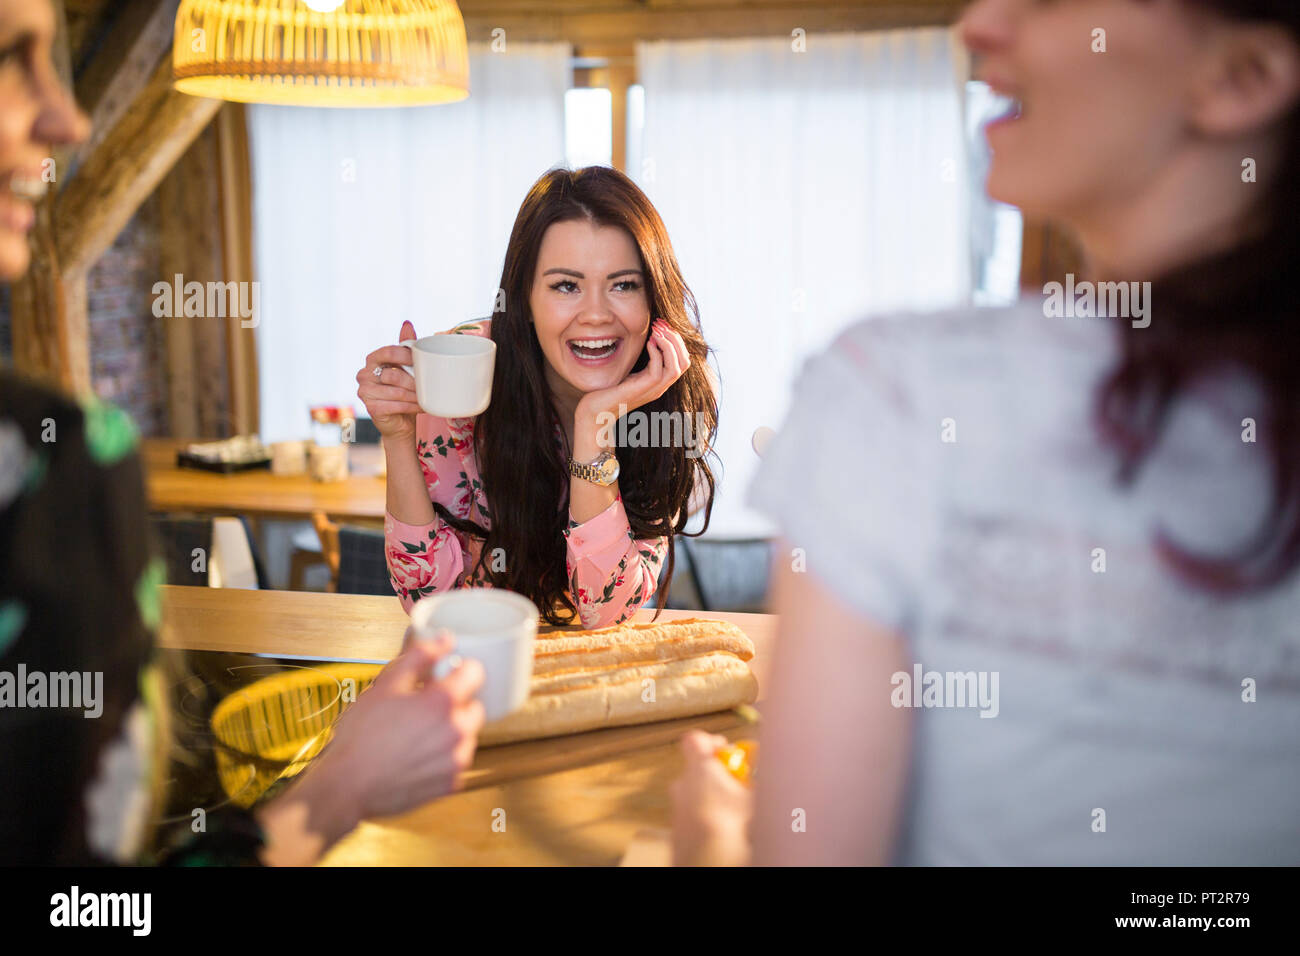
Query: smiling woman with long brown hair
[(593, 321)]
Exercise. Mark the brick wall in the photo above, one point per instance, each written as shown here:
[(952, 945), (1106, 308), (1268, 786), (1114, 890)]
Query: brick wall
[(128, 359), (128, 362)]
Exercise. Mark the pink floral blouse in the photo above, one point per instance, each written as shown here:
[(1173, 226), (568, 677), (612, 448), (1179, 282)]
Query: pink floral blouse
[(611, 573)]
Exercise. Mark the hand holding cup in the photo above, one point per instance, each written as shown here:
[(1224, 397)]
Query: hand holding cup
[(386, 386), (445, 375)]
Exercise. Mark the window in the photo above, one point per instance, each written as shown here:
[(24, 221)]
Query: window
[(996, 228), (588, 127)]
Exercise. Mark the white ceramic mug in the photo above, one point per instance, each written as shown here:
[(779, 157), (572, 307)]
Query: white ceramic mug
[(495, 627), (453, 373)]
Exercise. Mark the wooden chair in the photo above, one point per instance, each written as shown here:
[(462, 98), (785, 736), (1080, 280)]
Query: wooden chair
[(328, 532)]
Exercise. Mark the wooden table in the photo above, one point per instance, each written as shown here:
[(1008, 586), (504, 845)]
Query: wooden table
[(579, 799), (261, 494)]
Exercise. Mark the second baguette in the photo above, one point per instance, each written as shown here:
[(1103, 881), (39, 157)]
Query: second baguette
[(628, 644)]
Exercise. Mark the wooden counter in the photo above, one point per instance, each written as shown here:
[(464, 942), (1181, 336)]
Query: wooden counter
[(578, 799)]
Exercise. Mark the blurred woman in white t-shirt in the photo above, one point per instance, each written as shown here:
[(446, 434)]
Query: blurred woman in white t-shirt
[(1051, 611)]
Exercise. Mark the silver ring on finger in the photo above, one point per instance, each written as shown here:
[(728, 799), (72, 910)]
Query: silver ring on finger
[(379, 370)]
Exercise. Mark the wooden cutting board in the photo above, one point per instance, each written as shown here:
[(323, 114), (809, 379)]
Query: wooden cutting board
[(531, 758)]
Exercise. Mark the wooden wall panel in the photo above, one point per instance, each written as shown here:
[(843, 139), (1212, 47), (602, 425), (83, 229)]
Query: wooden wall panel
[(50, 327), (235, 185), (190, 231), (50, 324)]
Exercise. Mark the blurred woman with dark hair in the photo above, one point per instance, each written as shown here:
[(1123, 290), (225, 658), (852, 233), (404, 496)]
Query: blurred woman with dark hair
[(593, 321), (1084, 529), (79, 594)]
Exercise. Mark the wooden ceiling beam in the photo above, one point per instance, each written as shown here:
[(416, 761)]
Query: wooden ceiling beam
[(125, 168), (621, 21), (137, 41)]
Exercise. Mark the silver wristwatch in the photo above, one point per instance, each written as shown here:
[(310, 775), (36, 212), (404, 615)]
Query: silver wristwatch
[(602, 471)]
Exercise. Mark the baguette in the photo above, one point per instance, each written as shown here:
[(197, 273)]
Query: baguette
[(573, 702), (630, 674), (638, 643)]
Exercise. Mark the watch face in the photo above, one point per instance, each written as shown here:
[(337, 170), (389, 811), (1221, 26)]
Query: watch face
[(609, 469)]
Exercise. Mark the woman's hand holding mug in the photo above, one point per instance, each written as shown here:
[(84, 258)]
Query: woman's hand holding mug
[(448, 375), (409, 736), (387, 389), (404, 742)]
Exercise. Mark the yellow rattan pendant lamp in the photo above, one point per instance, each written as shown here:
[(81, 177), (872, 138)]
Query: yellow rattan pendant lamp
[(322, 52)]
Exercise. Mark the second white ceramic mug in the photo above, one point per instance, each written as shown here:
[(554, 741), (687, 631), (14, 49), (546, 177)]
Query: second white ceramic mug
[(453, 373), (495, 627)]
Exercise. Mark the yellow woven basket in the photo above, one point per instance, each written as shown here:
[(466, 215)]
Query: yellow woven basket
[(273, 728)]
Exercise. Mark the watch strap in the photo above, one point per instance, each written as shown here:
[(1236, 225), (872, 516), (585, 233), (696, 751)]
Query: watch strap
[(590, 472)]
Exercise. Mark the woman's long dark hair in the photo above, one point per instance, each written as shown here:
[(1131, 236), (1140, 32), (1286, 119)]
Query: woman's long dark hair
[(525, 479), (1238, 309)]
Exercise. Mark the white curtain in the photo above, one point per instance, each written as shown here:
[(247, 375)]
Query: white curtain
[(363, 218), (803, 191)]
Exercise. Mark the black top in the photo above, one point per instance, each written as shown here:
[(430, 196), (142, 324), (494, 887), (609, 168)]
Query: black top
[(82, 717)]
